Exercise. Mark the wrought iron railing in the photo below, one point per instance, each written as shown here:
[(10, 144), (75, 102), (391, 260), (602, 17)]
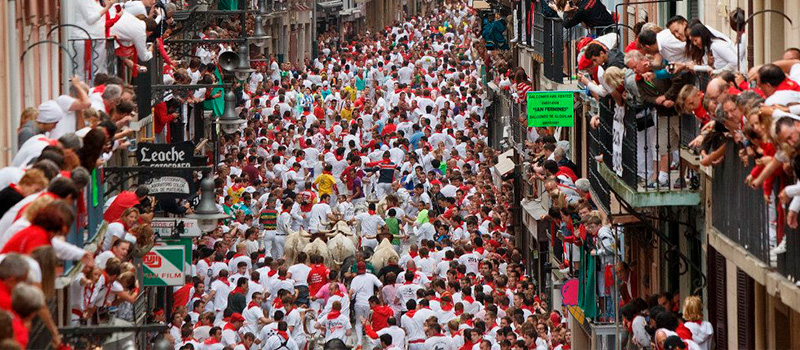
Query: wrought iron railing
[(740, 212), (640, 148), (754, 222)]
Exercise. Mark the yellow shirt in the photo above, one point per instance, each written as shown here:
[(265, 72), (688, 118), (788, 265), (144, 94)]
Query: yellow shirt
[(325, 183), (346, 114)]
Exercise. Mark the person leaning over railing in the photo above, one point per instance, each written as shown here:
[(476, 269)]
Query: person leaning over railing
[(591, 13), (661, 93)]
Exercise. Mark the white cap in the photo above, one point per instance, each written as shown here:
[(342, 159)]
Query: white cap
[(50, 112)]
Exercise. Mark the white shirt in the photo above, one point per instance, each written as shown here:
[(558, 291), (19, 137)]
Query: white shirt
[(276, 342), (319, 216), (336, 328), (251, 316), (299, 274), (672, 49), (370, 223), (440, 342), (115, 229), (131, 31), (221, 297), (397, 333), (364, 287), (471, 261)]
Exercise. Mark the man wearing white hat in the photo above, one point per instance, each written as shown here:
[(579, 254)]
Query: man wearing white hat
[(50, 113)]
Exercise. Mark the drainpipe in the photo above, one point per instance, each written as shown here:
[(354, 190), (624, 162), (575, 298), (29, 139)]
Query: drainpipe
[(14, 77)]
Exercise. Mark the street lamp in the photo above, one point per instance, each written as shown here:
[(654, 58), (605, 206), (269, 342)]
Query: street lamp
[(230, 121), (207, 213), (243, 69), (259, 36)]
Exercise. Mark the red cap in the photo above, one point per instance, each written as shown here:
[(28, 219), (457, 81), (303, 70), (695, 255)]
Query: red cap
[(237, 317), (584, 63), (436, 182), (583, 42), (555, 318)]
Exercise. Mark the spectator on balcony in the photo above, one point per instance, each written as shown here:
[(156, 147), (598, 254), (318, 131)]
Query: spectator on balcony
[(703, 47), (73, 106), (33, 181), (591, 13), (27, 301), (604, 57), (661, 94), (50, 113), (90, 15), (701, 330), (53, 220), (131, 34), (779, 88)]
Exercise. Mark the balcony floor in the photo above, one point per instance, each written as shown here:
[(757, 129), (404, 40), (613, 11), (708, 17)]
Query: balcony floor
[(643, 197)]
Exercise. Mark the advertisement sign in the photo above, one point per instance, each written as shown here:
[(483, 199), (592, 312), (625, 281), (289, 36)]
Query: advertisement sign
[(551, 108), (167, 180), (172, 155), (163, 266), (164, 227)]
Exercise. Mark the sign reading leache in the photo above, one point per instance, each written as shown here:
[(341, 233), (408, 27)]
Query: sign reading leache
[(163, 266), (177, 154), (550, 108)]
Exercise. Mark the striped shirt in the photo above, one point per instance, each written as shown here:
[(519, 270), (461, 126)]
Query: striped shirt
[(269, 219)]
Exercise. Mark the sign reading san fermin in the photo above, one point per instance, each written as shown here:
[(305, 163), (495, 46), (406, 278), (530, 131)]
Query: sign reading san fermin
[(166, 160)]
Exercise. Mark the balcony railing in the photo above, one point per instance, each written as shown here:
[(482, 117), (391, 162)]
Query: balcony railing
[(629, 159), (743, 215)]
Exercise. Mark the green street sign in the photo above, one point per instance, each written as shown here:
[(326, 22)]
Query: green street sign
[(163, 266), (551, 108)]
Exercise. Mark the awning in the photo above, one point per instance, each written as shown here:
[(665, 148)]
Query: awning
[(504, 162), (330, 5), (480, 5)]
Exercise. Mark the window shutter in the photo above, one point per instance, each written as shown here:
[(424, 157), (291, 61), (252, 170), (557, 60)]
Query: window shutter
[(717, 306), (745, 310)]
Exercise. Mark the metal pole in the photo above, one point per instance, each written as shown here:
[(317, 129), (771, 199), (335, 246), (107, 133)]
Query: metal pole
[(14, 78), (314, 49)]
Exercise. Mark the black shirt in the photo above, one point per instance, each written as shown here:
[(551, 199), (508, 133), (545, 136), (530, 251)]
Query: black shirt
[(8, 198), (591, 12)]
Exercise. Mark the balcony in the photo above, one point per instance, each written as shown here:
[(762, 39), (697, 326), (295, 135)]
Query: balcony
[(744, 227), (626, 166)]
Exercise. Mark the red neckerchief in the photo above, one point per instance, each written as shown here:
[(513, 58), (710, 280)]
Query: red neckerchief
[(281, 278), (277, 303), (327, 172), (788, 84), (410, 313), (237, 290), (272, 273), (337, 292), (469, 322), (284, 335), (211, 341), (446, 307), (371, 212), (413, 254), (224, 280), (229, 326), (334, 314), (468, 299), (252, 304)]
